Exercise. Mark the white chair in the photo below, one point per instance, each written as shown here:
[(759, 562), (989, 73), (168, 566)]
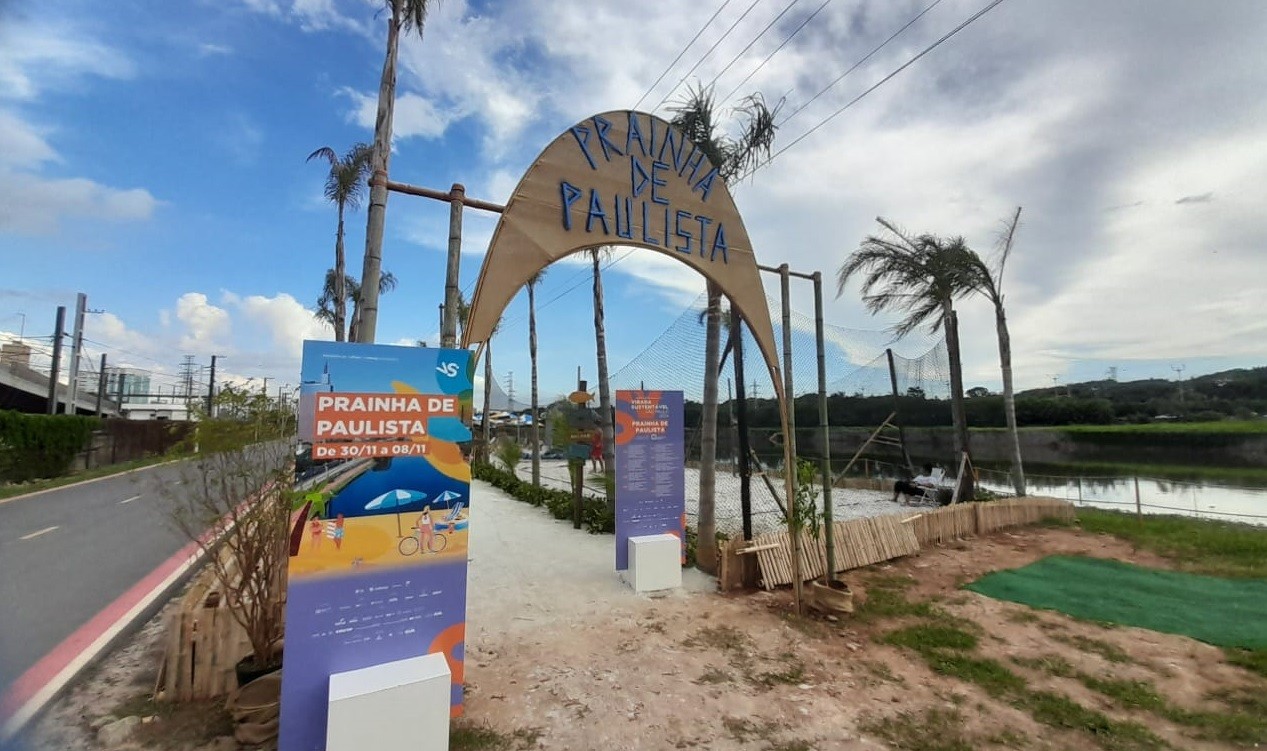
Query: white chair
[(938, 476)]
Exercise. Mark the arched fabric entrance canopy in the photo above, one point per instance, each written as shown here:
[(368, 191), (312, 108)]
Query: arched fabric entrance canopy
[(623, 178)]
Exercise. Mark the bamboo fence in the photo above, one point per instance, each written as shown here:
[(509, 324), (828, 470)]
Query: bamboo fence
[(859, 542), (862, 542), (202, 646)]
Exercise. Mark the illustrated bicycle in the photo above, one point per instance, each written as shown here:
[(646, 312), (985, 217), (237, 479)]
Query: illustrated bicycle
[(409, 545)]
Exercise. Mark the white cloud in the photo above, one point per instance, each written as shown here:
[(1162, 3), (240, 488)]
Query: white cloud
[(414, 115), (316, 15), (35, 56), (287, 322), (34, 205), (207, 326), (24, 146), (207, 49)]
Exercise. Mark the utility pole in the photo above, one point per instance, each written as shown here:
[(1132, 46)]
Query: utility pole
[(76, 344), (22, 330), (59, 332), (1179, 372), (211, 389), (101, 383)]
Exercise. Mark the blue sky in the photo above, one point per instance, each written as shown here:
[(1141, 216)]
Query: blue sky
[(154, 158)]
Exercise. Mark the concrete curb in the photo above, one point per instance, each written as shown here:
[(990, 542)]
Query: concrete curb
[(46, 679)]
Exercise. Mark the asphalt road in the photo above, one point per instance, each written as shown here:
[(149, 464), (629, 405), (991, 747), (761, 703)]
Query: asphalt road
[(68, 553)]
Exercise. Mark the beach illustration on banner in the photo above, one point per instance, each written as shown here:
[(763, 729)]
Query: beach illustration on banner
[(406, 499)]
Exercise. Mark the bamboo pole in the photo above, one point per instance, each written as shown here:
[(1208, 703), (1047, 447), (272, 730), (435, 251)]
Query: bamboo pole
[(824, 433), (789, 440)]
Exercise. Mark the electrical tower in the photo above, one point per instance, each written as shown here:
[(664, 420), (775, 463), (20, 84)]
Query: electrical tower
[(188, 371), (510, 390), (1179, 376)]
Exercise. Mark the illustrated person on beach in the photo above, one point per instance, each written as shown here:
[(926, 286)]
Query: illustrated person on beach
[(916, 486), (426, 530), (316, 531), (596, 452), (338, 532)]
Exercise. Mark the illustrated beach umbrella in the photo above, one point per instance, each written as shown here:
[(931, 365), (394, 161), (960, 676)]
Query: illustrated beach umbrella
[(394, 499), (448, 496)]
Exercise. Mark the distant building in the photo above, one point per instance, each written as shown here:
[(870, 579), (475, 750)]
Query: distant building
[(134, 384), (15, 353), (145, 411)]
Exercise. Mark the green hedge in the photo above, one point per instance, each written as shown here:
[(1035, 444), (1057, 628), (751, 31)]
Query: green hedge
[(594, 514), (39, 446)]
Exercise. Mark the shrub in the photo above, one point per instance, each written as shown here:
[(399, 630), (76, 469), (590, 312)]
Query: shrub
[(508, 453), (594, 513), (36, 446)]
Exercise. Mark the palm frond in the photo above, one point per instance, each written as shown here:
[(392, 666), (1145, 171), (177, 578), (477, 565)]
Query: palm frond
[(413, 14), (325, 152), (917, 277)]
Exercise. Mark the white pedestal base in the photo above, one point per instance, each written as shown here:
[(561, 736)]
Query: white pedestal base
[(655, 563), (402, 704)]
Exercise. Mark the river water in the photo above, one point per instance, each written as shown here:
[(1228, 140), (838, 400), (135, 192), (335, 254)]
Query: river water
[(1207, 499)]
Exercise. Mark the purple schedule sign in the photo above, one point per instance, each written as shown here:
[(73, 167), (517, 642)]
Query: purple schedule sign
[(650, 468)]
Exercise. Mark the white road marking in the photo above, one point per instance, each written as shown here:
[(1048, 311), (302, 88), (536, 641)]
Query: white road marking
[(129, 500), (33, 535)]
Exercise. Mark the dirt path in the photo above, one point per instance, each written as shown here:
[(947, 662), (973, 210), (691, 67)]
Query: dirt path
[(561, 655)]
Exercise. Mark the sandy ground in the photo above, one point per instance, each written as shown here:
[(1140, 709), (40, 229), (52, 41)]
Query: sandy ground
[(562, 655), (847, 503)]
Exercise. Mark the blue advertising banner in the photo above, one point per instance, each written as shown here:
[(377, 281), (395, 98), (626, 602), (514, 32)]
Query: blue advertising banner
[(377, 568), (650, 468)]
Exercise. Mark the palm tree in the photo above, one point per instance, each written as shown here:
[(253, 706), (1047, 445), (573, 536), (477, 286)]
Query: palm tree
[(345, 184), (604, 387), (405, 15), (695, 116), (532, 355), (329, 302), (386, 283), (988, 282), (486, 424), (919, 277)]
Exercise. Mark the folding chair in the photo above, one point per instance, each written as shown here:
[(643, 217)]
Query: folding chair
[(938, 475)]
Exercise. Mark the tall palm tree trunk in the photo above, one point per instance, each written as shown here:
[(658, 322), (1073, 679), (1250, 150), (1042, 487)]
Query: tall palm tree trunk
[(373, 266), (340, 274), (604, 387), (1009, 398), (535, 432), (706, 541), (486, 426)]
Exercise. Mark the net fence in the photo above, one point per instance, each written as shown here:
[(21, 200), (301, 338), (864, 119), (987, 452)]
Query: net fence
[(858, 379)]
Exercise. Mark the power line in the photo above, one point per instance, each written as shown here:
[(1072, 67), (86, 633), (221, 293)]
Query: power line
[(755, 39), (877, 85), (680, 54), (785, 42), (721, 39), (855, 66)]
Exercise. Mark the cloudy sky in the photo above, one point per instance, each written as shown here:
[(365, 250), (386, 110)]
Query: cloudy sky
[(153, 157)]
